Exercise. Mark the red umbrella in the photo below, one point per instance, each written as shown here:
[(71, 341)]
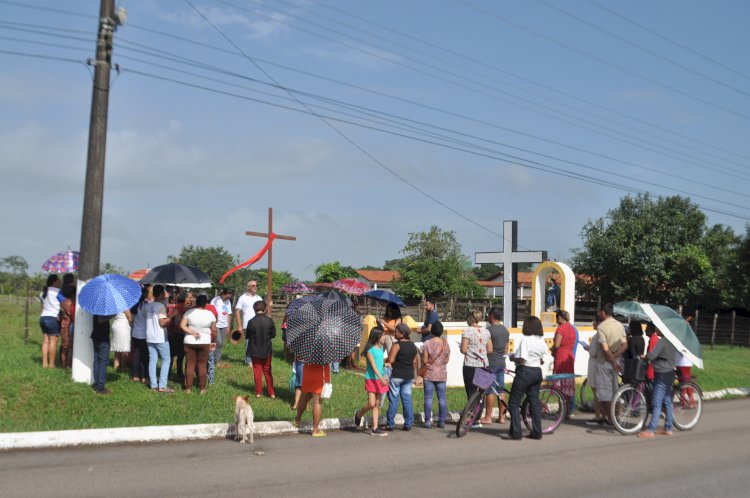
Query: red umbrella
[(351, 286), (139, 274)]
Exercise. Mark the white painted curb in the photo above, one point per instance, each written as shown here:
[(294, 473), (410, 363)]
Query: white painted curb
[(162, 433)]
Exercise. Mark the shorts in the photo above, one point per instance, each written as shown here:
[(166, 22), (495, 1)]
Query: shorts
[(298, 368), (605, 382), (50, 325), (375, 386), (500, 380), (313, 377)]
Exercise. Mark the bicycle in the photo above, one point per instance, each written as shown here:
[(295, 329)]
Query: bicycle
[(553, 406), (631, 405)]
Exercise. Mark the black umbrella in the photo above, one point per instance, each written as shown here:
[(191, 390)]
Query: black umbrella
[(336, 295), (177, 275), (323, 331)]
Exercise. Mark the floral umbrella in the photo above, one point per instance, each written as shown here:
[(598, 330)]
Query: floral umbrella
[(351, 286), (323, 331), (138, 274), (62, 262), (296, 288)]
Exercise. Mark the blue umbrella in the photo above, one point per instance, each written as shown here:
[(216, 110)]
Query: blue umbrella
[(109, 294), (386, 296)]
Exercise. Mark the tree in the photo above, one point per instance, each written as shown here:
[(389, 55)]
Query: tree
[(110, 268), (433, 265), (13, 272), (330, 272), (738, 276), (652, 251), (214, 262), (486, 271)]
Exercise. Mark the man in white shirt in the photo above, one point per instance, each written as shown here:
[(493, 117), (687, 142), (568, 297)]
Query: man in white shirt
[(157, 340), (223, 305), (244, 311)]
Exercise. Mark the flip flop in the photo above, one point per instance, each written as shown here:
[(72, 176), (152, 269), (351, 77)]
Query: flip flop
[(646, 435), (319, 434)]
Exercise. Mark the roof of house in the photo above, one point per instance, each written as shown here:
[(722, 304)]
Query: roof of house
[(379, 276), (524, 277)]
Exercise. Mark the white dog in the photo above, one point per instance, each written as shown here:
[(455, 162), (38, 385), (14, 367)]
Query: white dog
[(243, 418)]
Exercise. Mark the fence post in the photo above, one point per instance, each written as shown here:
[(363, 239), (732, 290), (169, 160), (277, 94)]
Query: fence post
[(697, 312), (734, 315), (713, 330), (26, 316)]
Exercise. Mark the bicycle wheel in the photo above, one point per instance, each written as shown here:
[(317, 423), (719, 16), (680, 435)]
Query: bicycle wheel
[(628, 410), (553, 409), (586, 397), (471, 412), (687, 405)]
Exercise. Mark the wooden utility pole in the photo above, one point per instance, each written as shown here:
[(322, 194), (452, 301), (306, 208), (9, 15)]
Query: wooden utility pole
[(93, 195), (269, 302)]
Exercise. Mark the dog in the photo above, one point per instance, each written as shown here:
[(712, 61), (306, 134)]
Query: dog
[(243, 419)]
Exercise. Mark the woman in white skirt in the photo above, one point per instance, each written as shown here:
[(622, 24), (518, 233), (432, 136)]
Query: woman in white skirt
[(121, 338)]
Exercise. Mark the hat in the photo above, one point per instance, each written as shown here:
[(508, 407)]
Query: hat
[(235, 336), (404, 329)]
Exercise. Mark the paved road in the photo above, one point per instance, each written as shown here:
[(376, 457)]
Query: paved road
[(711, 460)]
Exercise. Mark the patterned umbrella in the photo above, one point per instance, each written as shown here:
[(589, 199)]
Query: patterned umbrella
[(351, 286), (62, 262), (109, 294), (297, 304), (138, 274), (323, 331), (296, 288), (177, 275)]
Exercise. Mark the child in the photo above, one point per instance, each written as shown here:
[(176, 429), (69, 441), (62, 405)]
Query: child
[(375, 384)]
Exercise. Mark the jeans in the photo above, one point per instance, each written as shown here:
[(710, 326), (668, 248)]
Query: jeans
[(156, 351), (429, 389), (661, 393), (221, 338), (139, 358), (101, 360), (400, 388), (526, 382)]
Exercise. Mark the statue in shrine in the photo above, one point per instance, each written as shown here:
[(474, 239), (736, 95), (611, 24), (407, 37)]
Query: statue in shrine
[(553, 296)]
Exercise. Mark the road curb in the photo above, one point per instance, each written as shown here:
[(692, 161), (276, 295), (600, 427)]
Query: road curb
[(164, 433)]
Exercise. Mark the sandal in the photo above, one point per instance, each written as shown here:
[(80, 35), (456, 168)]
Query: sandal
[(646, 435), (319, 434), (295, 423), (166, 390)]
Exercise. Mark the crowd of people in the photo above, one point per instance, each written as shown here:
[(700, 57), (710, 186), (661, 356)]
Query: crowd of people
[(189, 332)]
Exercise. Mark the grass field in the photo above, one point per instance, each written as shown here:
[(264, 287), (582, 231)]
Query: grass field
[(36, 399)]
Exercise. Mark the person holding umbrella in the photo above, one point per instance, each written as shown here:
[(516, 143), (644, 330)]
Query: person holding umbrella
[(100, 334), (663, 359), (313, 378)]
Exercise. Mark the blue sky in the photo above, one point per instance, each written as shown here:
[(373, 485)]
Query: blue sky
[(648, 95)]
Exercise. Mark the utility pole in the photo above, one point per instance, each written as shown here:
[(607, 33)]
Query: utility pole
[(93, 195)]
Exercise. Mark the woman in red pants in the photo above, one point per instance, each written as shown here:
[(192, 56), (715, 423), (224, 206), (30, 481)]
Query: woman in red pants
[(259, 334)]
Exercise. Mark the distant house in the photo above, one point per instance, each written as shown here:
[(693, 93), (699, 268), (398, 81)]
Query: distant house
[(494, 286), (378, 279)]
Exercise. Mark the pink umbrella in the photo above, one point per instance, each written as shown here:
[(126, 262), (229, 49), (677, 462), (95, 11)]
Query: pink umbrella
[(351, 286), (139, 274)]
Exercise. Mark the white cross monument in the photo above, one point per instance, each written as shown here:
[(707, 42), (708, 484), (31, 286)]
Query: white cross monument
[(509, 258)]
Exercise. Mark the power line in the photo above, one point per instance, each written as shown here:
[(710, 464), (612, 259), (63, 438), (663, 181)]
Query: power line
[(527, 164), (642, 48), (604, 61), (446, 49), (410, 127), (667, 39)]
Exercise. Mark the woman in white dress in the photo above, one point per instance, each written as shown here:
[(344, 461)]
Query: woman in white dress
[(121, 338)]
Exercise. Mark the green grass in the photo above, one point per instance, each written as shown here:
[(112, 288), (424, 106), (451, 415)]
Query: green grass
[(36, 399)]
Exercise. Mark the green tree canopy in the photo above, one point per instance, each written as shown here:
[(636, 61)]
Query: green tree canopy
[(433, 265), (330, 272), (215, 261), (654, 250)]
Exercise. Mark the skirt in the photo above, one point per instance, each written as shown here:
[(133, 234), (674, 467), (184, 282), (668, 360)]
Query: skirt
[(375, 386), (120, 337)]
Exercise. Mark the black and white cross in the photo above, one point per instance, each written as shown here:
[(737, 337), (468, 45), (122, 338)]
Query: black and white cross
[(509, 258)]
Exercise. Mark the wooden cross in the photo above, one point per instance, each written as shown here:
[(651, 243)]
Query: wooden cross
[(509, 258), (270, 256)]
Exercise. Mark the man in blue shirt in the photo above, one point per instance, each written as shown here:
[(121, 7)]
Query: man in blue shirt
[(430, 318)]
